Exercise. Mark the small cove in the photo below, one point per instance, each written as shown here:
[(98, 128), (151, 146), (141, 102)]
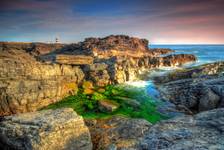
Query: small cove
[(204, 53)]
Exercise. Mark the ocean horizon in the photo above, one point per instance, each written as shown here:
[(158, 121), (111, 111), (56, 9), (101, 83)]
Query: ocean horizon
[(205, 53)]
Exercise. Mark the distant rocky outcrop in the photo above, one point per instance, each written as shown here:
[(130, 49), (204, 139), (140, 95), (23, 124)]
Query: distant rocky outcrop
[(35, 49), (201, 71), (202, 131), (113, 45), (60, 129)]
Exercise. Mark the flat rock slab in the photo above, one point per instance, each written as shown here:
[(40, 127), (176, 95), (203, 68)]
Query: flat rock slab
[(108, 106), (117, 133), (60, 129), (74, 59), (203, 131)]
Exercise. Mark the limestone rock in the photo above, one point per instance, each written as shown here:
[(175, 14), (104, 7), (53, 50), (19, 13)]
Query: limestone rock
[(132, 102), (98, 73), (203, 131), (108, 106), (43, 48), (60, 129), (35, 49), (216, 68), (161, 51), (27, 85), (197, 94), (117, 132), (209, 100), (74, 59), (178, 60)]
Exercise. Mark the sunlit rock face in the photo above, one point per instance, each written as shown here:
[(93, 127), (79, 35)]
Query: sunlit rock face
[(113, 45), (109, 46), (26, 84), (60, 129)]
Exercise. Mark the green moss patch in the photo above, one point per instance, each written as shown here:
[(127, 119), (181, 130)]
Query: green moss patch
[(134, 103)]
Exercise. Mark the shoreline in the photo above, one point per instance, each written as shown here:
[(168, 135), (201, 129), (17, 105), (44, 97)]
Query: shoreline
[(85, 76)]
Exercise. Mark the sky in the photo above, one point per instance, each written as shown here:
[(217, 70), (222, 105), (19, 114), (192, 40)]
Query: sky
[(159, 21)]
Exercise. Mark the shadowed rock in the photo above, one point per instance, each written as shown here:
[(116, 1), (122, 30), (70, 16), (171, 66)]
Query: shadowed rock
[(202, 131), (199, 88)]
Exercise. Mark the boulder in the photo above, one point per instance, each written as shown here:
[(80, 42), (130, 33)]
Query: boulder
[(201, 71), (60, 129), (161, 51), (209, 100), (197, 94), (132, 102), (44, 48), (108, 105), (178, 59), (117, 132), (98, 73), (202, 131)]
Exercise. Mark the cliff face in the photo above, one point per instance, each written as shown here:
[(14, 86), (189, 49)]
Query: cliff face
[(36, 75), (26, 84)]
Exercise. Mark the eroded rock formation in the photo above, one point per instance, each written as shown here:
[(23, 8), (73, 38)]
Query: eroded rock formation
[(199, 88), (202, 131), (60, 129), (26, 84)]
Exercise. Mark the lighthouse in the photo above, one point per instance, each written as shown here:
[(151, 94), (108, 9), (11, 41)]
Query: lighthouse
[(56, 40)]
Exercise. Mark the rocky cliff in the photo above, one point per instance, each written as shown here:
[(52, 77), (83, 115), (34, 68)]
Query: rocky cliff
[(26, 84), (34, 75)]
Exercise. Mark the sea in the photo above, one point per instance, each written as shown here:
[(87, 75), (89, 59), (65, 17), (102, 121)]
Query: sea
[(204, 53)]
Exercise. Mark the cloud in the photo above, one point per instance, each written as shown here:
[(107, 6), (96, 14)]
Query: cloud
[(73, 20)]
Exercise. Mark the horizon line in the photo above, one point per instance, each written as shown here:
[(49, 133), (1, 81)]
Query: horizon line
[(81, 41), (186, 44)]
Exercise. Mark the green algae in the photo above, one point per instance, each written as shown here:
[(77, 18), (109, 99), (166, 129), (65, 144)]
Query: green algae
[(86, 105)]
